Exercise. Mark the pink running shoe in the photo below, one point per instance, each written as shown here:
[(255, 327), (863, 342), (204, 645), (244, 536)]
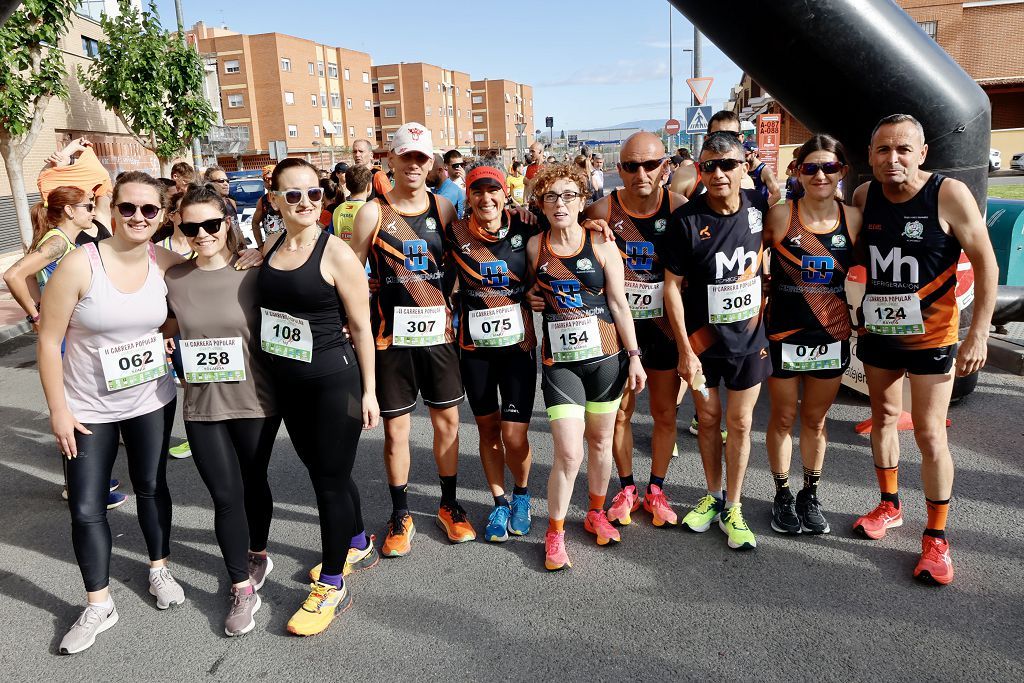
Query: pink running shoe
[(874, 524), (555, 557), (624, 503), (657, 504), (596, 522)]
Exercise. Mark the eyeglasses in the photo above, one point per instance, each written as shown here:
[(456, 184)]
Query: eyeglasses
[(724, 165), (218, 180), (458, 164), (293, 197), (651, 165), (88, 207), (553, 197), (827, 168), (127, 210), (211, 226)]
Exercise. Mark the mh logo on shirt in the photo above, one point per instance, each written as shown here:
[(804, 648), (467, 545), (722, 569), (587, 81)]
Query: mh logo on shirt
[(740, 261), (817, 270), (567, 293), (639, 255), (494, 273), (415, 252), (895, 262)]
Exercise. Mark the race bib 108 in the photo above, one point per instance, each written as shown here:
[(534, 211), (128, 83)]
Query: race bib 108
[(286, 336)]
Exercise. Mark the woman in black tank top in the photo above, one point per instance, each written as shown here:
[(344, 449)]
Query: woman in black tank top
[(812, 241), (310, 284)]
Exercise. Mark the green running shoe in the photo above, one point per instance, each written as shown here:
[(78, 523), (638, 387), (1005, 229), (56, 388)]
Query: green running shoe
[(182, 450), (699, 519), (740, 535)]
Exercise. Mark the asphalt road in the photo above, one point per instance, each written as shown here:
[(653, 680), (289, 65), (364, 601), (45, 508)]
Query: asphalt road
[(663, 605)]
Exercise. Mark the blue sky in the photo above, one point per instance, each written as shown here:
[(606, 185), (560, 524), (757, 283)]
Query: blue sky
[(591, 63)]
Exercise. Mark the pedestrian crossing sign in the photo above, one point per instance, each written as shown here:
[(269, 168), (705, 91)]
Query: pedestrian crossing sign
[(697, 119)]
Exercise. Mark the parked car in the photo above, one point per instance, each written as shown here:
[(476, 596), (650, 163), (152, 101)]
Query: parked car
[(246, 191), (1017, 163), (995, 160)]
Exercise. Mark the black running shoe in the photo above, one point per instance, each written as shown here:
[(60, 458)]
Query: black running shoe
[(784, 517), (808, 509)]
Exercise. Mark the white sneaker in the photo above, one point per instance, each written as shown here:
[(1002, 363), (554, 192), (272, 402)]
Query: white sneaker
[(165, 589), (93, 621)]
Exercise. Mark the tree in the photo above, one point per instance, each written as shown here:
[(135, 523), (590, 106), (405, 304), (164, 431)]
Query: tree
[(31, 75), (152, 82)]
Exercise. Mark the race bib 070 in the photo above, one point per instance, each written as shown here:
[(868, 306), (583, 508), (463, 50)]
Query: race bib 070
[(133, 363), (807, 357)]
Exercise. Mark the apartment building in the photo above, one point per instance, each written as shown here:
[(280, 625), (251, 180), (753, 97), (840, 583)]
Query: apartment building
[(316, 98), (498, 105), (432, 95)]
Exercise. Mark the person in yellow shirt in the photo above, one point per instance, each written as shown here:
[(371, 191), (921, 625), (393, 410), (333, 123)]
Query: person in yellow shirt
[(357, 181), (516, 183)]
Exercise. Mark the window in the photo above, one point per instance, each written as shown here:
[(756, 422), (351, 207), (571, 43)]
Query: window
[(389, 87), (348, 103), (286, 64), (347, 74), (336, 100), (289, 97), (90, 47), (312, 69), (391, 137), (451, 110), (319, 68), (367, 105), (231, 66), (456, 92), (478, 118), (427, 110), (458, 113), (478, 99), (323, 99), (390, 112), (929, 27), (235, 101), (369, 132), (351, 131), (316, 131), (507, 98), (332, 69), (366, 77), (314, 100), (293, 131), (479, 137), (426, 86)]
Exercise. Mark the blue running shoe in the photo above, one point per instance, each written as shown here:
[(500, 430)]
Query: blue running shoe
[(115, 499), (497, 524), (114, 484), (521, 520)]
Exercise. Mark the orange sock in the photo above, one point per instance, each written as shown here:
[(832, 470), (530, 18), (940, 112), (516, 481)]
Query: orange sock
[(596, 502), (888, 483), (937, 512), (556, 525)]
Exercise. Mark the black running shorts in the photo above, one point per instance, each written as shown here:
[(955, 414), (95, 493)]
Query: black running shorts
[(431, 371), (659, 352), (592, 386), (512, 375), (738, 373), (875, 350)]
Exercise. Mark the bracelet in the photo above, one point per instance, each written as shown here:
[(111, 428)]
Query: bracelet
[(635, 352), (32, 318)]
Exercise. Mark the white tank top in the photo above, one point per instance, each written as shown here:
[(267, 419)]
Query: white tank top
[(106, 316)]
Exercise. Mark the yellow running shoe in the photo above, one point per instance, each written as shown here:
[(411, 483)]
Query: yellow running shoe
[(357, 560), (318, 611)]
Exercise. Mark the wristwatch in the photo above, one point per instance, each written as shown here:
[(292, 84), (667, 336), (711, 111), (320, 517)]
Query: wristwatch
[(32, 318), (635, 352)]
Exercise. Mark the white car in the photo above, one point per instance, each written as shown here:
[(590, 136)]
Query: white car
[(1017, 163), (995, 160)]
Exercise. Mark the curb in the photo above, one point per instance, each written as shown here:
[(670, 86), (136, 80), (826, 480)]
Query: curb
[(1006, 355), (12, 331)]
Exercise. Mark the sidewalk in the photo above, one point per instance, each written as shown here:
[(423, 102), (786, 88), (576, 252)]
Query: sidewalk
[(12, 318)]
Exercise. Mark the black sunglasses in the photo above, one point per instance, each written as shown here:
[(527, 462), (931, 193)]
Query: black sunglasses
[(828, 168), (458, 164), (211, 226), (127, 210), (88, 206), (725, 165), (315, 194), (651, 165)]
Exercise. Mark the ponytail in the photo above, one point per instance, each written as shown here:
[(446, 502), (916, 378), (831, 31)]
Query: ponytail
[(49, 213)]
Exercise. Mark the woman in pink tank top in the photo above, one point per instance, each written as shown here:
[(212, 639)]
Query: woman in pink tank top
[(109, 301)]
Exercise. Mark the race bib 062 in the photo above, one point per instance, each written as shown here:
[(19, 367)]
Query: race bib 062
[(130, 364)]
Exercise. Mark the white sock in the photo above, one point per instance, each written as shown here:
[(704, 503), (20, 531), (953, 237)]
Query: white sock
[(106, 605), (729, 504), (717, 495)]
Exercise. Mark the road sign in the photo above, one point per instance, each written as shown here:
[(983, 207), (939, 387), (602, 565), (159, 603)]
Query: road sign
[(769, 129), (573, 139), (549, 121), (520, 128), (700, 87), (697, 120), (671, 127)]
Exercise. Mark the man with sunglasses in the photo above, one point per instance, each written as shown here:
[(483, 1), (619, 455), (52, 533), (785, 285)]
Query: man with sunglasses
[(915, 225), (402, 235), (638, 216), (715, 247), (445, 174), (456, 167)]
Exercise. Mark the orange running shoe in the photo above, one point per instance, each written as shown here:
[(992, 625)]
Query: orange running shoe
[(624, 503), (874, 524), (555, 557), (596, 522), (398, 541), (657, 504), (935, 565), (452, 518)]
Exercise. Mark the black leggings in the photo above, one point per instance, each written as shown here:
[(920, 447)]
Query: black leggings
[(145, 443), (232, 457), (324, 417)]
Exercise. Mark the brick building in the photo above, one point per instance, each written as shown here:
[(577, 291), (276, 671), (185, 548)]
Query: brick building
[(432, 95), (982, 36), (498, 105), (316, 98)]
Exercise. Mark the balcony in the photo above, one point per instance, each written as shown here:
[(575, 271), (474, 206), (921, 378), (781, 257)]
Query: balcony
[(224, 140)]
